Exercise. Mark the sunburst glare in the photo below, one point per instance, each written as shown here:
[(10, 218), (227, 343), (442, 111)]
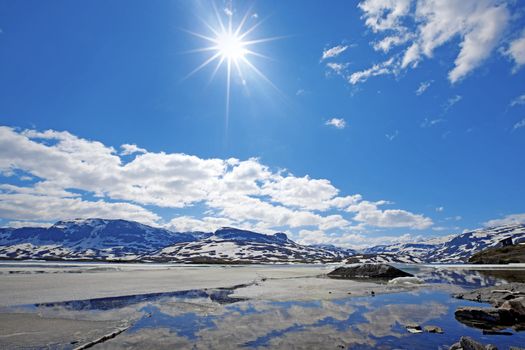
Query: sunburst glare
[(231, 48)]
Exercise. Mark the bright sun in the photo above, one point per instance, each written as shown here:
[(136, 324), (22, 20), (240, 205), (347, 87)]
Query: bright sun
[(230, 47)]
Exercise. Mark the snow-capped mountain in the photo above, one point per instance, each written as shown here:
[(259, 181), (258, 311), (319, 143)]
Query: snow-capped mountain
[(121, 240), (452, 249), (87, 239), (98, 239), (419, 252), (332, 248), (463, 246), (234, 245)]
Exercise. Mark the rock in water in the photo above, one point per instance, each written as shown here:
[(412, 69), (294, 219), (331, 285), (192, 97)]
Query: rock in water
[(368, 271), (484, 318), (433, 329), (467, 343), (413, 328), (509, 308), (516, 307)]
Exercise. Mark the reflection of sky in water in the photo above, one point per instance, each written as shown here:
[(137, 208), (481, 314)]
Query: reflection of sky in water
[(364, 322), (211, 319), (185, 325)]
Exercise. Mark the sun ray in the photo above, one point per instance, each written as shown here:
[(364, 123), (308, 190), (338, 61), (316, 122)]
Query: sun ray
[(204, 64), (253, 53), (243, 21), (259, 73), (228, 91), (263, 40), (219, 64), (213, 40)]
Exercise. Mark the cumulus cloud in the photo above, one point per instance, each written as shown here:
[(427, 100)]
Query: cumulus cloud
[(512, 219), (352, 240), (128, 149), (338, 123), (26, 206), (418, 27), (333, 52), (18, 224), (77, 178), (369, 213), (186, 223)]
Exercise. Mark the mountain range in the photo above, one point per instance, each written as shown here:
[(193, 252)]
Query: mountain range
[(121, 240)]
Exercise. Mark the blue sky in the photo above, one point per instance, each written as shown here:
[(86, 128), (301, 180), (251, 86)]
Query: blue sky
[(381, 121)]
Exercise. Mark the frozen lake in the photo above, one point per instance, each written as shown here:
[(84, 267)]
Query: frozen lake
[(68, 305)]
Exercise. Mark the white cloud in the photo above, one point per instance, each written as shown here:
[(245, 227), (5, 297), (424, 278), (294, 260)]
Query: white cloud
[(18, 224), (452, 101), (479, 25), (440, 209), (519, 124), (518, 101), (427, 123), (387, 67), (370, 214), (333, 52), (128, 149), (516, 51), (385, 15), (423, 87), (301, 192), (351, 240), (190, 223), (82, 178), (22, 206), (338, 123), (512, 219), (338, 68), (392, 136), (389, 42), (228, 12)]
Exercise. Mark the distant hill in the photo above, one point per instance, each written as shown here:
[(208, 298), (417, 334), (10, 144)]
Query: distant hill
[(121, 240)]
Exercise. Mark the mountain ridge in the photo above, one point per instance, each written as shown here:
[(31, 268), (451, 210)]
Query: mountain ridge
[(124, 240)]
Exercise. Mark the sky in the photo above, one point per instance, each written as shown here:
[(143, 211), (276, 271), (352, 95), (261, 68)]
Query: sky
[(341, 122)]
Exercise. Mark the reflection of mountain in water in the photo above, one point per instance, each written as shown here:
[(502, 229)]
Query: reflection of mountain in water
[(470, 278)]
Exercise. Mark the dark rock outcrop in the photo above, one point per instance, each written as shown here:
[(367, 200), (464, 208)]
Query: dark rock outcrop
[(433, 329), (378, 271), (505, 254), (484, 317), (467, 343), (508, 307), (495, 295)]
